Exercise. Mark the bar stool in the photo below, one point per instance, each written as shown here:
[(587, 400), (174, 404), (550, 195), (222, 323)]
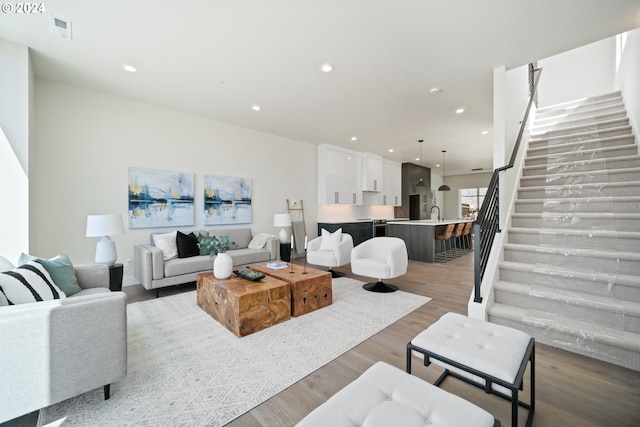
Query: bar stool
[(466, 235), (445, 237), (457, 234)]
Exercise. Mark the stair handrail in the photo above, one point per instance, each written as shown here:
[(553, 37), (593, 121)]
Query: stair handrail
[(487, 223)]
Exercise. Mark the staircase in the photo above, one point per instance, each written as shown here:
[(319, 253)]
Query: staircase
[(571, 270)]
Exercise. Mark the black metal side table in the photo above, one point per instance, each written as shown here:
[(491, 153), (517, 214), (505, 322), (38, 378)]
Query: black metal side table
[(116, 272)]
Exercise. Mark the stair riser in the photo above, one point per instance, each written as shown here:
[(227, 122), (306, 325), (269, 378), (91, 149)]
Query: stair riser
[(601, 316), (570, 261), (577, 223), (578, 191), (580, 345), (582, 166), (588, 127), (582, 105), (578, 113), (554, 124), (535, 142), (550, 238), (592, 287), (624, 175), (576, 147), (589, 205), (577, 156)]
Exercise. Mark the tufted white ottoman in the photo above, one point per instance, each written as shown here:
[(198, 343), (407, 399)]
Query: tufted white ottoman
[(386, 396), (489, 356)]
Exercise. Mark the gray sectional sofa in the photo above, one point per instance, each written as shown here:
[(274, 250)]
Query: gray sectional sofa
[(155, 272)]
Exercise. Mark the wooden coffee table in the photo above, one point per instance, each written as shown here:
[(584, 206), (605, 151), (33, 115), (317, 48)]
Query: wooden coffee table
[(309, 292), (242, 306)]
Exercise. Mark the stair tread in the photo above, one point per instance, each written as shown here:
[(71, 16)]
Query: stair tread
[(594, 139), (572, 297), (590, 252), (578, 232), (582, 162), (562, 113), (582, 173), (586, 151), (582, 199), (589, 101), (578, 126), (621, 279), (588, 185), (543, 137), (597, 116), (543, 321), (590, 215)]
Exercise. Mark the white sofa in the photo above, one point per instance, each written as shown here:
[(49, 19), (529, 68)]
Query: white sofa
[(153, 272), (55, 350)]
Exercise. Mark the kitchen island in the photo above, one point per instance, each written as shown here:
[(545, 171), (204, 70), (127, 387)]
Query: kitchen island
[(420, 236)]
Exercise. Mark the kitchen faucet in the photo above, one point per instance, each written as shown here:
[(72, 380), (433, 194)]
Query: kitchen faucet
[(431, 211)]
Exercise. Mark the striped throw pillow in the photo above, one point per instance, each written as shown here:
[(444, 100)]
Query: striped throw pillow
[(28, 283)]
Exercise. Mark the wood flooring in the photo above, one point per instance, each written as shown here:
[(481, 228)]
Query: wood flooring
[(571, 390)]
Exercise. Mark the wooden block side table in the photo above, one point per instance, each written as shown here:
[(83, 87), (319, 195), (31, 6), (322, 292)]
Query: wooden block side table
[(242, 306), (310, 291)]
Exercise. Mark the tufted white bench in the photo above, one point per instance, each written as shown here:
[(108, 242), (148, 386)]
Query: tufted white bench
[(489, 356), (387, 396)]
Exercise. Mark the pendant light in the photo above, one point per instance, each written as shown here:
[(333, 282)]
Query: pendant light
[(420, 183), (443, 187)]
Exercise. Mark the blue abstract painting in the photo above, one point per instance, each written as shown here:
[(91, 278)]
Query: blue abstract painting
[(160, 198), (227, 200)]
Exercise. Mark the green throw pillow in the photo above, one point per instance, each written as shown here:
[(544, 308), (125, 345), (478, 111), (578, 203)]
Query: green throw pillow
[(60, 269)]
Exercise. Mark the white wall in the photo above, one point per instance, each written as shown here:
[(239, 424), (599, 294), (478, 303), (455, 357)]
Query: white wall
[(627, 78), (15, 97), (578, 73), (86, 141)]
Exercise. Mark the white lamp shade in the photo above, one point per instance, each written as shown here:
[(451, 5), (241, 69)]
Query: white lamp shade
[(104, 225), (282, 220)]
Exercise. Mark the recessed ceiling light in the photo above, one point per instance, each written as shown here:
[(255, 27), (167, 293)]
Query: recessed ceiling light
[(391, 150), (129, 68), (256, 108), (438, 165), (417, 159), (484, 132), (435, 90), (326, 67), (460, 110), (354, 138)]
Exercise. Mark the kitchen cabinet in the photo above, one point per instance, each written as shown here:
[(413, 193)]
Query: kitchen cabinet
[(372, 173), (339, 176), (359, 230), (392, 183)]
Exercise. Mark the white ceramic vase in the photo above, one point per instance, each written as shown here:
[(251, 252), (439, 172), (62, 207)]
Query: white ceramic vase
[(222, 266)]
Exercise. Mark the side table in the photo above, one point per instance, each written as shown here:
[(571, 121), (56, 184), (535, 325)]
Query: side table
[(116, 272), (285, 252)]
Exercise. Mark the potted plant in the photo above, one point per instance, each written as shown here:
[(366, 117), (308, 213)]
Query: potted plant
[(218, 247)]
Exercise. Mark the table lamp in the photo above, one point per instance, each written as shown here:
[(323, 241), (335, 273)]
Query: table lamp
[(284, 221), (105, 226)]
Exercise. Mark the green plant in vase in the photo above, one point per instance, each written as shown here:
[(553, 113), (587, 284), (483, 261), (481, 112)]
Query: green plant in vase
[(214, 245)]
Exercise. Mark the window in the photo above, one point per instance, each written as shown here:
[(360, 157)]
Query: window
[(471, 200)]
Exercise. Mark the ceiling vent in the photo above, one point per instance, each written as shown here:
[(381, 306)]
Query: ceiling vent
[(476, 169), (60, 27)]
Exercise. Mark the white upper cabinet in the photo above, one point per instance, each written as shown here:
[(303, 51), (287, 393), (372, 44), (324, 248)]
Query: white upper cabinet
[(339, 176), (392, 183), (372, 174)]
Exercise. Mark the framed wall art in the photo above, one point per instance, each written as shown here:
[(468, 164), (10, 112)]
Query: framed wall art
[(227, 200), (160, 198)]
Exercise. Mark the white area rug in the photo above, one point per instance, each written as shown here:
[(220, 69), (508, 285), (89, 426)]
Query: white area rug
[(185, 369)]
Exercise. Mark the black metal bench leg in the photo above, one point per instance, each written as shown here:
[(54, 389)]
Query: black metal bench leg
[(107, 391)]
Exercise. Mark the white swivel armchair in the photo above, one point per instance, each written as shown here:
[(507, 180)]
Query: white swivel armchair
[(332, 252), (382, 258)]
